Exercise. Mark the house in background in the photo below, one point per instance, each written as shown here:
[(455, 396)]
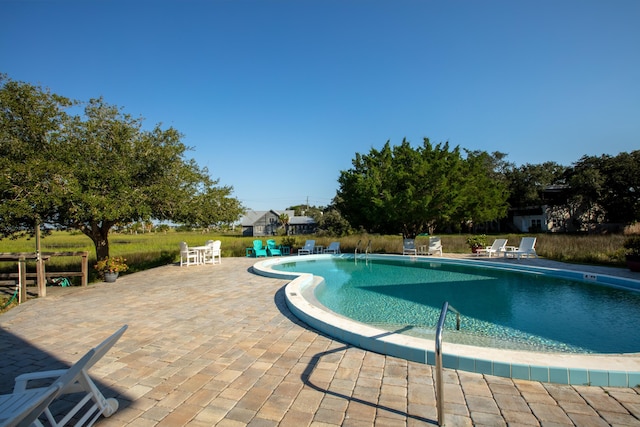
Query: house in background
[(558, 213), (267, 223)]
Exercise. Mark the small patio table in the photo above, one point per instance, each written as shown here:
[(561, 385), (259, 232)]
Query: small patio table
[(201, 251)]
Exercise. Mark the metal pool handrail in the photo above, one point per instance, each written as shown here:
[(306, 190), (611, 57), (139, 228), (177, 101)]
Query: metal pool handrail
[(367, 249), (439, 384)]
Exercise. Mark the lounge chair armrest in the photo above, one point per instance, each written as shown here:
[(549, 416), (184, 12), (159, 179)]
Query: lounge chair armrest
[(21, 381)]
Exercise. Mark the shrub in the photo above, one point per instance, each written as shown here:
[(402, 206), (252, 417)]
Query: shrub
[(114, 264), (632, 246), (477, 241)]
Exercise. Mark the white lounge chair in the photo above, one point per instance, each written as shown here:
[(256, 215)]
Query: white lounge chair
[(308, 248), (333, 248), (82, 383), (435, 246), (497, 247), (526, 248), (23, 408), (409, 247)]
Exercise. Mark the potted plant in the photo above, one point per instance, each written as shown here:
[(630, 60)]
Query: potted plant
[(632, 252), (110, 267), (476, 242)]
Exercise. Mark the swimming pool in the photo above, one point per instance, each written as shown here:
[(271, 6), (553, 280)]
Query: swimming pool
[(563, 368), (499, 308)]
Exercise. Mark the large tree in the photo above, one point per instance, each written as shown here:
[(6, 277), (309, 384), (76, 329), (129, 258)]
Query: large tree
[(93, 171), (486, 189), (608, 182), (528, 182), (402, 190), (31, 126)]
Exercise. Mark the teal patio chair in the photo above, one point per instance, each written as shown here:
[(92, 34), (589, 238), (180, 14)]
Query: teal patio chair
[(272, 248), (258, 249)]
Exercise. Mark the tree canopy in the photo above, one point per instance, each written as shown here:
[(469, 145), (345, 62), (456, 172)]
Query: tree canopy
[(611, 183), (97, 170), (408, 191)]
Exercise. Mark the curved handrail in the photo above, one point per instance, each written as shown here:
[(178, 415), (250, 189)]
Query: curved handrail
[(439, 383)]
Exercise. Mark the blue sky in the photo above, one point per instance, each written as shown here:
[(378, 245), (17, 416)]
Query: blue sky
[(277, 97)]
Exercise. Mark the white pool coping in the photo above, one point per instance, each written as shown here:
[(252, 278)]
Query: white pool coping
[(615, 370)]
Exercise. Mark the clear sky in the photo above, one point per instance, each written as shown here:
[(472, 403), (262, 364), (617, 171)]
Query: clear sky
[(277, 97)]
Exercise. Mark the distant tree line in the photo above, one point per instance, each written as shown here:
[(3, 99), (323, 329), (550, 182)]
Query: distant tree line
[(409, 191)]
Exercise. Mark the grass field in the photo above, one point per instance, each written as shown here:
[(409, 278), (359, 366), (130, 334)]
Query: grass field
[(144, 251)]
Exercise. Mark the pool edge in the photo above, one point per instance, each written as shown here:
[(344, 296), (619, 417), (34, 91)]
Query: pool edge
[(589, 371)]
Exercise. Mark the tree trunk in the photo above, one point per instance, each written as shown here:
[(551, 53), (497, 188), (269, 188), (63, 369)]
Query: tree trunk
[(99, 235)]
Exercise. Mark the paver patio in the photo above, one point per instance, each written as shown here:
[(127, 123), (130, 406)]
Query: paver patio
[(216, 345)]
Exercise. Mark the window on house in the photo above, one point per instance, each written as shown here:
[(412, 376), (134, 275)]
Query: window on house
[(536, 226)]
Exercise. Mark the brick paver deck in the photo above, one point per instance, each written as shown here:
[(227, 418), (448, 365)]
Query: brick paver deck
[(216, 345)]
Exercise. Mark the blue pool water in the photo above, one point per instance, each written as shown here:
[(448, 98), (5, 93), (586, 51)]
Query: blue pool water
[(499, 308)]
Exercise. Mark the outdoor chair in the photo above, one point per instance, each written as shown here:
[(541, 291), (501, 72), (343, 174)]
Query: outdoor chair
[(258, 249), (79, 381), (333, 248), (212, 252), (409, 247), (188, 256), (526, 248), (308, 248), (435, 246), (23, 408), (272, 248), (497, 247)]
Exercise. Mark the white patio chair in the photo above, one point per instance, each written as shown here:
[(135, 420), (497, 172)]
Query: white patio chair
[(308, 248), (212, 252), (435, 246), (188, 256), (333, 248), (23, 408), (527, 247), (409, 247), (497, 247), (81, 383)]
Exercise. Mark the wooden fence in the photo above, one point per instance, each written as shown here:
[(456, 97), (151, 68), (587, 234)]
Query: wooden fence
[(41, 275)]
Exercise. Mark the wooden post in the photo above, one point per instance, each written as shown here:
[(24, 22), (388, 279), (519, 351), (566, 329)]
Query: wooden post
[(41, 276), (85, 268), (22, 280)]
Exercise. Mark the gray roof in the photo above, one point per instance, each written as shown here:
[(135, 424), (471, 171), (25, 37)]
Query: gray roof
[(301, 220), (251, 217)]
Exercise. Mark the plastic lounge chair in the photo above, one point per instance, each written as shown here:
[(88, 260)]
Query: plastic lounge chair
[(308, 248), (497, 247), (435, 246), (188, 256), (212, 252), (409, 247), (333, 248), (81, 383), (259, 249), (23, 408), (526, 248), (272, 248)]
